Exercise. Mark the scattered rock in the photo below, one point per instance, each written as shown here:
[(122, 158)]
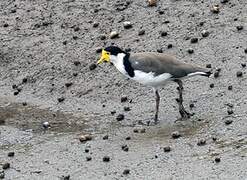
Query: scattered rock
[(211, 85), (128, 138), (230, 87), (142, 130), (114, 34), (141, 32), (46, 125), (160, 50), (105, 137), (245, 50), (215, 9), (208, 66), (214, 138), (11, 154), (152, 2), (5, 25), (2, 174), (125, 148), (216, 74), (124, 98), (192, 105), (201, 142), (229, 111), (102, 37), (120, 117), (163, 33), (135, 130), (205, 33), (224, 1), (194, 40), (239, 74), (92, 66), (167, 149), (126, 108), (86, 150), (176, 134), (126, 171), (190, 51), (88, 158), (217, 160), (67, 177), (16, 93), (228, 121), (86, 137), (95, 24), (76, 28), (6, 165), (77, 63), (60, 99), (240, 27), (24, 80), (68, 84), (169, 46), (127, 25), (113, 112), (106, 159), (243, 65), (75, 37)]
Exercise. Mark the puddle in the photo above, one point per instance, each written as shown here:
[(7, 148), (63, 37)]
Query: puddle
[(32, 117)]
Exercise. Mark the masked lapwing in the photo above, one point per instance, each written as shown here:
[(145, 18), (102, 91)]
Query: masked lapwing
[(154, 70)]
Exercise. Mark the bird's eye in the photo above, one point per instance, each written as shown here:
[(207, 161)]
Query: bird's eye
[(108, 53)]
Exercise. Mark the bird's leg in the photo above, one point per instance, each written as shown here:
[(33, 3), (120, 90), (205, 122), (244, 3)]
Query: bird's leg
[(157, 98), (182, 111)]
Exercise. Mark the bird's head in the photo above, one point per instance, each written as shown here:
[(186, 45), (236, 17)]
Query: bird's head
[(109, 53)]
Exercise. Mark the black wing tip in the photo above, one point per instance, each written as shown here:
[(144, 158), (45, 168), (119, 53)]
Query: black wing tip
[(207, 74)]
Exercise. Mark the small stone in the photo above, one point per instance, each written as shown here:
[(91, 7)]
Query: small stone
[(75, 74), (230, 87), (14, 86), (167, 149), (114, 34), (105, 137), (60, 99), (239, 74), (161, 11), (95, 24), (135, 130), (201, 142), (205, 33), (84, 138), (160, 50), (239, 28), (216, 74), (228, 122), (24, 80), (194, 40), (120, 117), (113, 112), (106, 159), (124, 99), (16, 93), (2, 121), (6, 25), (77, 63), (68, 84), (2, 175), (152, 2), (126, 171), (75, 37), (245, 50), (67, 177), (163, 33), (126, 108), (46, 125), (127, 49), (208, 66), (76, 28), (192, 105), (217, 159), (125, 148), (128, 138), (229, 111), (6, 165), (224, 1), (211, 85), (175, 135), (92, 66), (143, 130), (86, 150), (141, 32), (127, 25), (102, 37), (169, 46), (215, 9), (11, 154), (65, 42), (88, 158), (214, 138), (190, 51), (243, 65)]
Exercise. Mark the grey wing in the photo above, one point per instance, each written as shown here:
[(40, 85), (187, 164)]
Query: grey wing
[(159, 63)]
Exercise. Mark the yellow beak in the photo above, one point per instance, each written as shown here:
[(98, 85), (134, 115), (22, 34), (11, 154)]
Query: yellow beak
[(105, 57)]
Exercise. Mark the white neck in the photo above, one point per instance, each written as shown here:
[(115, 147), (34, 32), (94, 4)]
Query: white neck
[(118, 62)]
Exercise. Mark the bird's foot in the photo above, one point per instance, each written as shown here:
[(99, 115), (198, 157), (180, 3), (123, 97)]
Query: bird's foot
[(184, 114)]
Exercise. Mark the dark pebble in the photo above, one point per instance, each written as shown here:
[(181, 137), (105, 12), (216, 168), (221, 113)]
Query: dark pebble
[(16, 93), (14, 86), (127, 25), (106, 159), (2, 121), (102, 37), (201, 142), (113, 112), (67, 177), (98, 50), (143, 130), (205, 33), (160, 50), (61, 99), (95, 24), (239, 28), (175, 135), (68, 84), (167, 149), (217, 159), (211, 85), (6, 165), (161, 12), (65, 42), (239, 74), (124, 98), (11, 154), (105, 137), (86, 150), (128, 138), (163, 33), (126, 171), (192, 105), (75, 37), (125, 148), (229, 111), (2, 175), (5, 25), (120, 117), (245, 50), (135, 130), (216, 74), (76, 28), (77, 63), (230, 87), (194, 40), (75, 74), (126, 108), (228, 121), (127, 49), (190, 51), (214, 138), (224, 1), (141, 32), (208, 66), (24, 80), (243, 65), (84, 138), (169, 46), (88, 158), (92, 66)]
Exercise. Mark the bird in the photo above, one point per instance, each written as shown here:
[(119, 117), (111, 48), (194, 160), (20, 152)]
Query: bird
[(155, 70)]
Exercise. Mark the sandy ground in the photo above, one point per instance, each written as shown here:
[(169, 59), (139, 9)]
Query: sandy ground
[(46, 49)]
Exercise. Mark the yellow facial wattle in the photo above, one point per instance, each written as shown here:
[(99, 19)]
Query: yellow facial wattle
[(105, 57)]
